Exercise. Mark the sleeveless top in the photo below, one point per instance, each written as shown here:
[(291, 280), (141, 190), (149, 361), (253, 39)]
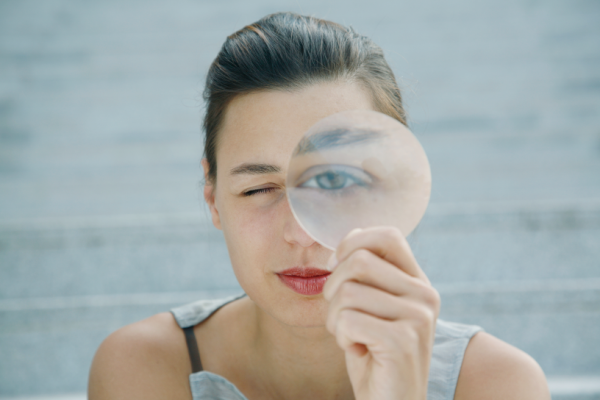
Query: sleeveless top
[(451, 340)]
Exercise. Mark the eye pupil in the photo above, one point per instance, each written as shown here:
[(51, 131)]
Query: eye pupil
[(331, 180)]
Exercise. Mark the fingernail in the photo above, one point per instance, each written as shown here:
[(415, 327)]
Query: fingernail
[(332, 263)]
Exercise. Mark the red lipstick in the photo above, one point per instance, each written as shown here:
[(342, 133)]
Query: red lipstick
[(307, 281)]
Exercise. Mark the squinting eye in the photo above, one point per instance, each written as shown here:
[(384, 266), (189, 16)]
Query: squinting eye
[(336, 178), (258, 191)]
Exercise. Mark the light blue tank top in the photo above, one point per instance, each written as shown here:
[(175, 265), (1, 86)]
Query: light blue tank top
[(451, 340)]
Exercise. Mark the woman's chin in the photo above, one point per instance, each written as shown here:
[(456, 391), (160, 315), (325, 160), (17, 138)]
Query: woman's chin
[(293, 309), (304, 313)]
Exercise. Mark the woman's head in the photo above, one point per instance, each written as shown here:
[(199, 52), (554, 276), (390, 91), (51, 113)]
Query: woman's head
[(286, 51), (271, 82)]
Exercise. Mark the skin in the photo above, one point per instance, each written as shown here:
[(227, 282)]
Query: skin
[(368, 336)]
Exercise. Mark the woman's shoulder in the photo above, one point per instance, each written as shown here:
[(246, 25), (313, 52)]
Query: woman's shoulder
[(147, 359), (493, 369)]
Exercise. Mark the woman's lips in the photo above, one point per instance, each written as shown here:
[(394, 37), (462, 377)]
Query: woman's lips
[(307, 281)]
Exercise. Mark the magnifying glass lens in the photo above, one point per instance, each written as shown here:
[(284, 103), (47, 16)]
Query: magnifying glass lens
[(357, 169)]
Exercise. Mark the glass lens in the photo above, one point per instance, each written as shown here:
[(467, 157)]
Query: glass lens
[(357, 169)]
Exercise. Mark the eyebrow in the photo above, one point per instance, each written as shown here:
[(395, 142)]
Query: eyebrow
[(255, 169), (335, 138)]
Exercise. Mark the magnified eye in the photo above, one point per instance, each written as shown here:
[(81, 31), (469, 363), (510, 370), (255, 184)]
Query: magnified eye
[(335, 177)]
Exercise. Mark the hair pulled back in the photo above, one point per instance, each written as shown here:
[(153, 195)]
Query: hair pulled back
[(287, 51)]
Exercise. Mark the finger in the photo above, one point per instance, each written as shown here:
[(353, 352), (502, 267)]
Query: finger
[(377, 303), (354, 327), (362, 298), (386, 242), (333, 261), (367, 268)]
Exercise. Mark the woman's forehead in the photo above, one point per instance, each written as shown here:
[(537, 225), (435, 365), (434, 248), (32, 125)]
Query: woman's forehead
[(265, 126)]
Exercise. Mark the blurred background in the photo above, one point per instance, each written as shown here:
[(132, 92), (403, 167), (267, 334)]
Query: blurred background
[(101, 218)]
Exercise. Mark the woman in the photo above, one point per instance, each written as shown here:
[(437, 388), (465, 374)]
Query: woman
[(367, 330)]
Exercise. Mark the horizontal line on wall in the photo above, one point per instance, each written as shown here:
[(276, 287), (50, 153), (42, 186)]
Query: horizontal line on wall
[(110, 300), (201, 220), (547, 285), (514, 207), (574, 385), (107, 222)]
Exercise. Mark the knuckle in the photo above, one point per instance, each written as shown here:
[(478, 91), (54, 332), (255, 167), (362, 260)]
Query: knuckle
[(420, 285), (361, 270), (347, 292), (360, 256), (427, 318), (345, 320), (432, 297), (424, 317), (394, 234), (428, 293), (420, 316)]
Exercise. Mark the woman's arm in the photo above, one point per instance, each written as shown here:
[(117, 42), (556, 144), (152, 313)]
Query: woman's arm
[(145, 360)]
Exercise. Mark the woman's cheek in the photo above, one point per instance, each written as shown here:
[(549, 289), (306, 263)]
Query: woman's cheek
[(257, 221), (251, 233)]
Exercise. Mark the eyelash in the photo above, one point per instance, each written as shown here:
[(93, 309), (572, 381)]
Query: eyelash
[(256, 191)]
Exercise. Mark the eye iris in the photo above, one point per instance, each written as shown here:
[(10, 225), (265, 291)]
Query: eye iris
[(331, 180)]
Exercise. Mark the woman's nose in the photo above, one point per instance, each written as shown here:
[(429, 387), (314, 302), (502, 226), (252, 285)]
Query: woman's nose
[(294, 234)]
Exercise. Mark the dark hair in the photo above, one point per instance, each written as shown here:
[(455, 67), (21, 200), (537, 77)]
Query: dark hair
[(286, 51)]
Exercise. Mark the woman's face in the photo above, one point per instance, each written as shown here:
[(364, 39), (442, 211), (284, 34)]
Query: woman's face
[(248, 202)]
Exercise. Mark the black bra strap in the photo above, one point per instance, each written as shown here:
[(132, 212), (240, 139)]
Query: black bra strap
[(192, 345)]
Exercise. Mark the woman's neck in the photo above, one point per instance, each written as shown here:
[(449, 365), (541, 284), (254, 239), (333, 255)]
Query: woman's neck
[(294, 362)]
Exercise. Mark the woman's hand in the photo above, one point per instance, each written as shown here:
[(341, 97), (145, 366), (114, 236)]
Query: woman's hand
[(382, 311)]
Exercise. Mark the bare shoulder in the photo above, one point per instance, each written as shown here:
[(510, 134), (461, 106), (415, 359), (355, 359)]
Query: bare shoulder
[(144, 360), (493, 369)]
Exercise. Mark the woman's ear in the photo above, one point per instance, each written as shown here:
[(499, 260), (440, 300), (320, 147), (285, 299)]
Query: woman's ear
[(209, 196)]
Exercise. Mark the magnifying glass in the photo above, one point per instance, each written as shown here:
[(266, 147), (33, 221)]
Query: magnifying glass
[(357, 169)]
